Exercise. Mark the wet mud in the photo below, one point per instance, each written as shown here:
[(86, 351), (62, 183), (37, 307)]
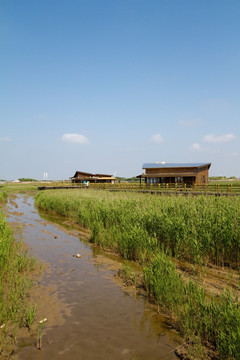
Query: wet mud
[(89, 314)]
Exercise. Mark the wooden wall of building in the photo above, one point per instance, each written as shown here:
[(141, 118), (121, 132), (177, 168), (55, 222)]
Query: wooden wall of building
[(190, 175)]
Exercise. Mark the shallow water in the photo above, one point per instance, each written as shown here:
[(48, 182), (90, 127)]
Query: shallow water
[(90, 316)]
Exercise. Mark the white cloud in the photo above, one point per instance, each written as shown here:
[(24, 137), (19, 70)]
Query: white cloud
[(212, 138), (196, 146), (5, 139), (157, 138), (75, 138)]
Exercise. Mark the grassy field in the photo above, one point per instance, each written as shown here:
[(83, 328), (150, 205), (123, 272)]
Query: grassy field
[(158, 231), (20, 187), (15, 284)]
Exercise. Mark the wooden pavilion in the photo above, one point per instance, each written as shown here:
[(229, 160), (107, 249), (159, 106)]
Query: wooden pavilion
[(189, 173), (81, 177)]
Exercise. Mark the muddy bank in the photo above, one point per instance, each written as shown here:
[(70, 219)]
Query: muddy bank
[(89, 315)]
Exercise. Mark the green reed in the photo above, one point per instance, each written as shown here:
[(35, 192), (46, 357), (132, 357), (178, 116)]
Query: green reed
[(199, 316), (197, 229), (14, 281), (153, 230)]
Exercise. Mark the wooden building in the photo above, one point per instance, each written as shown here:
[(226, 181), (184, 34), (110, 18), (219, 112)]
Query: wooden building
[(189, 174), (81, 177)]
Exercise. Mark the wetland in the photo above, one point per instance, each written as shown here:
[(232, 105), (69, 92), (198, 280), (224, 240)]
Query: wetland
[(89, 313)]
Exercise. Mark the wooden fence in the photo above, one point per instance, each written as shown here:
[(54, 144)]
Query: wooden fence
[(224, 188), (210, 188)]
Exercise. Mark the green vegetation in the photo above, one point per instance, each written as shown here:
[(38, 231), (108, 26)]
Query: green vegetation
[(155, 231), (131, 180), (27, 180), (20, 187), (218, 178), (200, 316), (197, 229), (30, 187), (222, 178), (3, 196), (15, 266)]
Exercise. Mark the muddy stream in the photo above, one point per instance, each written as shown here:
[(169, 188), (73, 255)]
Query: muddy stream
[(90, 315)]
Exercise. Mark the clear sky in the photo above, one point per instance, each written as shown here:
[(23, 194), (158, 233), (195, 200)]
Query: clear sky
[(106, 85)]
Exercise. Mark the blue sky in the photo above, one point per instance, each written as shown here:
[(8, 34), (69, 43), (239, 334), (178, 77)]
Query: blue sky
[(106, 85)]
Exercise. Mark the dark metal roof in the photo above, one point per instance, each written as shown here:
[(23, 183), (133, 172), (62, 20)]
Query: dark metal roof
[(82, 173), (173, 165)]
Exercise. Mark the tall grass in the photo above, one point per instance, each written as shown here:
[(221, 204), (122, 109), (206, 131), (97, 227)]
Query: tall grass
[(199, 316), (14, 281), (196, 229), (152, 230)]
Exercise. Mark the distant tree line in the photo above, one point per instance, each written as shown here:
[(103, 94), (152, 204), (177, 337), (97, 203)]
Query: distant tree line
[(222, 178), (27, 179), (132, 179)]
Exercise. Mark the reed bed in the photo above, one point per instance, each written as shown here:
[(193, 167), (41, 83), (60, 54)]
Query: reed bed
[(15, 264), (153, 231), (200, 317), (199, 230)]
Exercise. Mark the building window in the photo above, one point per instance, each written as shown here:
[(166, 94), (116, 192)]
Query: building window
[(179, 179), (203, 179)]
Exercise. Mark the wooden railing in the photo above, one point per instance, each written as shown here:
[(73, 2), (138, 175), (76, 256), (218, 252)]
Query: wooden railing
[(215, 188), (165, 187)]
